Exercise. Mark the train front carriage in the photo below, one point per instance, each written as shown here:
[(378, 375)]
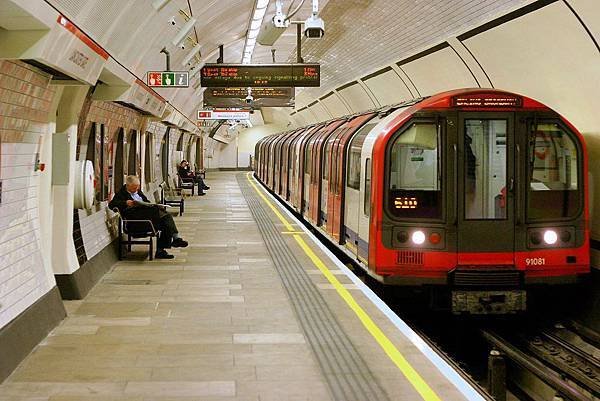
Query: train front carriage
[(483, 191)]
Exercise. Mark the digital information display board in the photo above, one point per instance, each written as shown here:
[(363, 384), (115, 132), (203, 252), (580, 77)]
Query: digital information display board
[(261, 97), (168, 79), (263, 75)]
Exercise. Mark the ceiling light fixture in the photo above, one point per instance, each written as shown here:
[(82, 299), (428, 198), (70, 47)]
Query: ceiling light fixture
[(260, 9), (184, 32), (159, 4), (195, 50)]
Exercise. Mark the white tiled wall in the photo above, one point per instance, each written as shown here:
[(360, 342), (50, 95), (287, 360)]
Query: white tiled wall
[(25, 100)]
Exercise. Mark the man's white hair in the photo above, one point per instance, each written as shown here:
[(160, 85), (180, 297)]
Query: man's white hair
[(132, 179)]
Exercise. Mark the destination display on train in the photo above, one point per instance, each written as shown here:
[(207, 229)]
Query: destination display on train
[(263, 75), (406, 202), (487, 100)]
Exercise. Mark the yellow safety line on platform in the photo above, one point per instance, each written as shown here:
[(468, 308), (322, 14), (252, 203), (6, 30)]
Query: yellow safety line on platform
[(293, 232), (288, 226), (390, 349)]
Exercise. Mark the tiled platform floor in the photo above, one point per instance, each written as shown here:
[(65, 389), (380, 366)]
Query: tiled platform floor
[(214, 323)]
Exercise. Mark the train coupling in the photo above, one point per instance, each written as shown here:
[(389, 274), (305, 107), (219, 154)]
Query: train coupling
[(489, 302)]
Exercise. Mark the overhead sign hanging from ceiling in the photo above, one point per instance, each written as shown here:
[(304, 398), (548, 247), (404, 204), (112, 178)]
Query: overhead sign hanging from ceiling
[(263, 75), (223, 115), (168, 79), (239, 97)]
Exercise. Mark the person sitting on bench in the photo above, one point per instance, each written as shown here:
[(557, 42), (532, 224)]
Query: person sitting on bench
[(134, 205), (185, 172)]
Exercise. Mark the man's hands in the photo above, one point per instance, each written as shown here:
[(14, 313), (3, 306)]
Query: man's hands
[(130, 203)]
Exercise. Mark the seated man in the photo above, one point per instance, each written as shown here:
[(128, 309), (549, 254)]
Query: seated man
[(134, 205), (185, 172)]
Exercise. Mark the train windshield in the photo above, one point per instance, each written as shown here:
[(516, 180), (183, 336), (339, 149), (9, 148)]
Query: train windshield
[(554, 188), (414, 189)]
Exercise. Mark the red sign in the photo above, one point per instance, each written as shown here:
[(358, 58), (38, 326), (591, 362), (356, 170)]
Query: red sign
[(154, 79)]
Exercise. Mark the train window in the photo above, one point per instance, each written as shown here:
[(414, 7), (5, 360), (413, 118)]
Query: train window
[(485, 169), (414, 188), (367, 206), (554, 190), (353, 167), (326, 152)]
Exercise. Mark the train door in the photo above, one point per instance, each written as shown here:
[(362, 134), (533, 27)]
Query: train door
[(277, 150), (485, 187), (338, 182), (307, 169)]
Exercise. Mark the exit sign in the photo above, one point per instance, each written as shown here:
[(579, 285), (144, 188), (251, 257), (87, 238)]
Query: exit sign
[(168, 79)]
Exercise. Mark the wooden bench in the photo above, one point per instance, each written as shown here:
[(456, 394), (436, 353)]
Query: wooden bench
[(139, 232)]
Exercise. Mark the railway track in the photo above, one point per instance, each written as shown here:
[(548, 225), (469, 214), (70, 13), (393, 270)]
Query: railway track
[(556, 363)]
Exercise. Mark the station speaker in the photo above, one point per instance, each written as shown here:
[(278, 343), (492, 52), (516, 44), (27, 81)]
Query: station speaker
[(84, 184)]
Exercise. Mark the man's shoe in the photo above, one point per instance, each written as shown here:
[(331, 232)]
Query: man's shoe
[(179, 243), (162, 254), (205, 187), (202, 194)]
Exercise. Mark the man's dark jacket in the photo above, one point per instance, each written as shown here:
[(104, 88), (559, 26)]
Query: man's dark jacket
[(136, 212)]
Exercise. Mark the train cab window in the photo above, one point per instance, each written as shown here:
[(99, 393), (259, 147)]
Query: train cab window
[(414, 187), (485, 166), (554, 190)]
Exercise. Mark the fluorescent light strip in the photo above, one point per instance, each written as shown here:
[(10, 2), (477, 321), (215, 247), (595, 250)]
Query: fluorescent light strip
[(255, 23)]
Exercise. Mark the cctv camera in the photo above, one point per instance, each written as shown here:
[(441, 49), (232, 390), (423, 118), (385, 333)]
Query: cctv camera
[(172, 21), (314, 27), (182, 46)]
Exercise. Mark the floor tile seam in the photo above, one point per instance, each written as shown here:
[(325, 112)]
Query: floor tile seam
[(370, 380)]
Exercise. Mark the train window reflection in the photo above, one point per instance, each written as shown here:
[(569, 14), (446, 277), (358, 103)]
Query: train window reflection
[(485, 169), (414, 173), (356, 145), (553, 173)]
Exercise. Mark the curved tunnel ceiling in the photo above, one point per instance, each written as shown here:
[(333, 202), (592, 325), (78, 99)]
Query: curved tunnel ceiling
[(361, 37)]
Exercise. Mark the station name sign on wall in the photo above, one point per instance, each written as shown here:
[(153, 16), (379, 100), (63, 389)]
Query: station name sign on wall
[(223, 115), (263, 75), (168, 79), (238, 97)]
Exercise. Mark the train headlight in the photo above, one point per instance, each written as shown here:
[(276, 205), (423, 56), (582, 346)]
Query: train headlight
[(418, 237), (402, 237), (550, 237), (536, 238)]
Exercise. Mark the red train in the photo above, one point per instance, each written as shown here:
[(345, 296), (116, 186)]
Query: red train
[(482, 193)]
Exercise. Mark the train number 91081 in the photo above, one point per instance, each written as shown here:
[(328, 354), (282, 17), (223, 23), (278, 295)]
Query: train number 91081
[(535, 261)]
